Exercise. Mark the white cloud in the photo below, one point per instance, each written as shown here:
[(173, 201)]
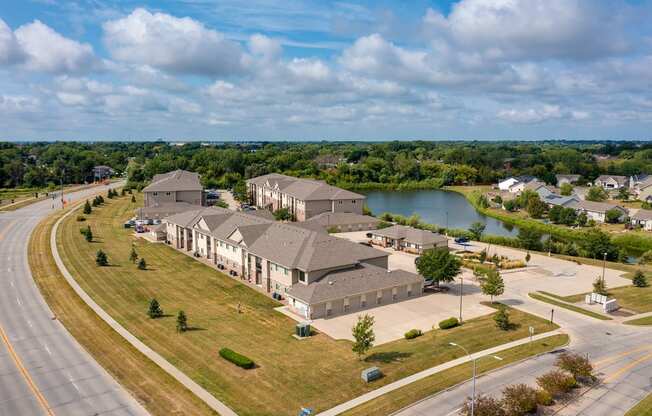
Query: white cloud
[(531, 115), (531, 29), (178, 45), (18, 104), (10, 51), (48, 51)]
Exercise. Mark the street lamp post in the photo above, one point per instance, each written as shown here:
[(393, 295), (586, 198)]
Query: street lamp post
[(461, 293), (604, 266), (474, 359)]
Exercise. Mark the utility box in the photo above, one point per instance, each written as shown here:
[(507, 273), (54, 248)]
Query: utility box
[(303, 329), (371, 374)]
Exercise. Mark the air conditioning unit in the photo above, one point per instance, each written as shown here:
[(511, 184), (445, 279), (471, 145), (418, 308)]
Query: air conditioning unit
[(303, 329)]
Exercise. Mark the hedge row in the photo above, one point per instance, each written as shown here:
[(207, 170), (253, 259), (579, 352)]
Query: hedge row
[(237, 359), (449, 323)]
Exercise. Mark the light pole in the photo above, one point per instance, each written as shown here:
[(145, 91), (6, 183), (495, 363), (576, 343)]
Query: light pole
[(474, 367), (604, 266), (461, 292)]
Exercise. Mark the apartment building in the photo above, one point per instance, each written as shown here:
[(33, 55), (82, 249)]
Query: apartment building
[(171, 193), (304, 198), (318, 275)]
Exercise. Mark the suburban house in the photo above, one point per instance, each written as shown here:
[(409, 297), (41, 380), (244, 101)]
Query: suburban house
[(303, 198), (319, 275), (102, 172), (569, 179), (642, 218), (540, 188), (515, 185), (597, 211), (404, 238), (569, 201), (343, 222), (641, 187), (171, 193), (611, 181)]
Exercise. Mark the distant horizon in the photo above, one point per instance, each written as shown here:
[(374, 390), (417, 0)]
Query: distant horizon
[(251, 141)]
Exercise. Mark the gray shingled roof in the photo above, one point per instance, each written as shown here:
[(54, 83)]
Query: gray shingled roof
[(178, 180), (361, 279), (598, 206), (189, 218), (411, 235), (619, 179), (643, 215), (328, 219), (305, 189), (165, 210)]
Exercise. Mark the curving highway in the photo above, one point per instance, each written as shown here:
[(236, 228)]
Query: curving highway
[(43, 370)]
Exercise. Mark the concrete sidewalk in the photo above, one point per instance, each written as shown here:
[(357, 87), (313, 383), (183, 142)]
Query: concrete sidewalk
[(426, 373), (181, 377)]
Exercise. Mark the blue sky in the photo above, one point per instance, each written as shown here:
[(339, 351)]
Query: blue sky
[(300, 69)]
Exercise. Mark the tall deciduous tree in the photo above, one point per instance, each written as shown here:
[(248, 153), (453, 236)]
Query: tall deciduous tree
[(493, 284), (438, 265)]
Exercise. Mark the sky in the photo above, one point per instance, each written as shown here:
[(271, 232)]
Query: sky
[(325, 70)]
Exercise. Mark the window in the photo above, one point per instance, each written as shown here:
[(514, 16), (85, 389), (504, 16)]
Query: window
[(302, 276), (394, 293), (155, 193), (379, 297), (167, 193), (353, 201)]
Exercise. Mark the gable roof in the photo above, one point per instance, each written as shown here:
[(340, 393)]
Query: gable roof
[(304, 189), (410, 234), (600, 207), (554, 199), (177, 180), (620, 180), (328, 219), (642, 215), (361, 279)]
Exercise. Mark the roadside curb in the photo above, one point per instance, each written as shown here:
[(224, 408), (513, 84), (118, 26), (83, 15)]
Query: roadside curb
[(159, 360), (486, 373), (343, 407)]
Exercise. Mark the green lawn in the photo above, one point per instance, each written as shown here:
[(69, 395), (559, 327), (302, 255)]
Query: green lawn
[(643, 408), (318, 372), (636, 299), (641, 321), (569, 307), (400, 398)]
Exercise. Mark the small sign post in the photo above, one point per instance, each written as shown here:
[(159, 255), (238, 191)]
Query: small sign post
[(531, 329)]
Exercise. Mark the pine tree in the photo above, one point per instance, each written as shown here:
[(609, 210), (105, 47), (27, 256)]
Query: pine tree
[(142, 264), (502, 319), (639, 279), (96, 202), (154, 310), (133, 256), (87, 208), (527, 257), (100, 199), (364, 336), (101, 258), (88, 234), (493, 284), (182, 322), (133, 198)]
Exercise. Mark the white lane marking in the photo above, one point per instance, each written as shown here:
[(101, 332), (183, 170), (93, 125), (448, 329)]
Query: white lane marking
[(30, 323), (75, 386), (19, 301), (47, 349), (11, 282)]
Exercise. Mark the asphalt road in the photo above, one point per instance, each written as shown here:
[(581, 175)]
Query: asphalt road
[(43, 370), (621, 354)]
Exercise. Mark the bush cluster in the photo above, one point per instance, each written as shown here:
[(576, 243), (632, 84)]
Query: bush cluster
[(413, 333), (449, 323), (237, 359)]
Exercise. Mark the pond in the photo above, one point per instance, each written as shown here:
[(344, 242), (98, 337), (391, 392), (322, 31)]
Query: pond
[(434, 206)]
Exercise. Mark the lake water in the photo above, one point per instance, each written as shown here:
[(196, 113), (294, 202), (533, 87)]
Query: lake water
[(444, 208)]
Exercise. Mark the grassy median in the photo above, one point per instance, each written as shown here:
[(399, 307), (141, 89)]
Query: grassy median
[(318, 372), (572, 308), (419, 390), (151, 386), (643, 408)]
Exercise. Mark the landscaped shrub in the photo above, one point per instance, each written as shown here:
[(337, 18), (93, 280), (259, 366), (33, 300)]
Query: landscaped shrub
[(576, 364), (511, 264), (502, 319), (449, 323), (101, 259), (639, 279), (81, 218), (237, 359), (556, 382), (519, 399), (413, 333), (154, 310), (544, 398), (484, 406)]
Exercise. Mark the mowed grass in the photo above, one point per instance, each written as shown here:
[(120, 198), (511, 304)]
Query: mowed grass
[(572, 308), (640, 321), (318, 372), (426, 387), (157, 391), (643, 408), (636, 299)]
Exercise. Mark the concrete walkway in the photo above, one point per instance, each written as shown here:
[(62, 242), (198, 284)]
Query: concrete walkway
[(186, 381), (426, 373)]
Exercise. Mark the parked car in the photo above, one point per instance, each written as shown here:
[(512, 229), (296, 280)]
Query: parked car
[(369, 235), (156, 221), (129, 224), (462, 240)]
